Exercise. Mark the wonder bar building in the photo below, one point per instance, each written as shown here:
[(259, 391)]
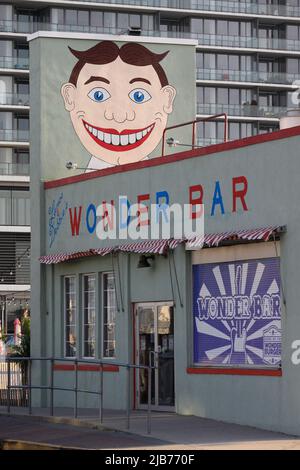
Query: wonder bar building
[(216, 316)]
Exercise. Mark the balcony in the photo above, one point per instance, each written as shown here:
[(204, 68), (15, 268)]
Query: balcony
[(13, 99), (246, 76), (14, 63), (246, 42), (14, 169), (14, 135), (246, 110), (219, 6), (211, 40)]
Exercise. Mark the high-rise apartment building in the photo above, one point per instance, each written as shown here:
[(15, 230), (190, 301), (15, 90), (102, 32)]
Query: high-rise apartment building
[(248, 64)]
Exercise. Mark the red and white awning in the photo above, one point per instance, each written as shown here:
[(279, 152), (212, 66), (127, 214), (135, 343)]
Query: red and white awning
[(147, 247), (215, 239), (62, 257), (161, 247)]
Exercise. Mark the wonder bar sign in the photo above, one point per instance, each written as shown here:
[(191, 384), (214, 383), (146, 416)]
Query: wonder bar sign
[(237, 313)]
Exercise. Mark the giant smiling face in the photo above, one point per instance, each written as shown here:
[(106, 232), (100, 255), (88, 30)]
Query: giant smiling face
[(119, 111)]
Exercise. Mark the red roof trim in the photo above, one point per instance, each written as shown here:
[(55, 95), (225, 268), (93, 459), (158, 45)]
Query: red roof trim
[(85, 368), (235, 144), (248, 372)]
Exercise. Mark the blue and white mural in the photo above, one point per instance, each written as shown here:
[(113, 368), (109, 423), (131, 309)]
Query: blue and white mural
[(237, 313)]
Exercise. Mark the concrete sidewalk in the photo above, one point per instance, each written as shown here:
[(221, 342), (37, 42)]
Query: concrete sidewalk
[(169, 431)]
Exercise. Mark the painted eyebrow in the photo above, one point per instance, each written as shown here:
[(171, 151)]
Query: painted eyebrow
[(144, 80), (97, 79)]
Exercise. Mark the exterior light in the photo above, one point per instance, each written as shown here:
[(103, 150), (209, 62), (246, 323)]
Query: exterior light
[(71, 166), (145, 261), (172, 142)]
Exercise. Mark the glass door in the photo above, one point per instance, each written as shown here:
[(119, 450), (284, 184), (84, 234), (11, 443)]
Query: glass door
[(155, 347)]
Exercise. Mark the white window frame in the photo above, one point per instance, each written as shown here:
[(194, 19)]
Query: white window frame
[(83, 315), (70, 276), (108, 273)]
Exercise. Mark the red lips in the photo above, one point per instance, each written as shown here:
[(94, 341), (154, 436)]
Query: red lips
[(115, 141)]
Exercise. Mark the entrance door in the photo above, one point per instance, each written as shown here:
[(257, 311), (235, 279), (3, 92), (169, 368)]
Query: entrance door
[(155, 346)]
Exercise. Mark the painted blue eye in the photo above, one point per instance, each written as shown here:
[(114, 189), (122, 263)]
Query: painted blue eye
[(140, 96), (99, 95)]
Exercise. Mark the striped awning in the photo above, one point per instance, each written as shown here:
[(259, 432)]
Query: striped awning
[(62, 257), (161, 247), (215, 239), (147, 247)]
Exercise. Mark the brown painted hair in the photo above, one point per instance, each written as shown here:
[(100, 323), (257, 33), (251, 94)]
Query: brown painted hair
[(106, 52)]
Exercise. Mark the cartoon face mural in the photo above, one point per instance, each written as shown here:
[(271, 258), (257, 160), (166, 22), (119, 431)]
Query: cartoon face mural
[(119, 100)]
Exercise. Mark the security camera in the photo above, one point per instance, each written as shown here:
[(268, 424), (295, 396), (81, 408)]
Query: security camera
[(71, 166)]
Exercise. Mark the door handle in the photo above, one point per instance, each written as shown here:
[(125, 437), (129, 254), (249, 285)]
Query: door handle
[(152, 359)]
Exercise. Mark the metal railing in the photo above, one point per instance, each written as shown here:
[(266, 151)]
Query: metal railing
[(194, 124), (230, 6), (216, 40), (256, 111), (14, 169), (14, 99), (9, 62), (14, 135), (246, 76), (17, 376)]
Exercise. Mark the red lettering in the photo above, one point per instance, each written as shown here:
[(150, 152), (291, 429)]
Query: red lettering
[(196, 199), (108, 216), (75, 220), (143, 210), (239, 191)]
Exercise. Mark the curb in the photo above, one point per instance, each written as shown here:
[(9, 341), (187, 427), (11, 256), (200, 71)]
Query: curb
[(10, 444), (62, 420)]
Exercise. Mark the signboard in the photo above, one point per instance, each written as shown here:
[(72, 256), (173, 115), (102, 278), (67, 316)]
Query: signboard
[(237, 313)]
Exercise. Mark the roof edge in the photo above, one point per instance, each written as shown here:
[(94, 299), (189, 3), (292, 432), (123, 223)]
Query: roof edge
[(158, 161)]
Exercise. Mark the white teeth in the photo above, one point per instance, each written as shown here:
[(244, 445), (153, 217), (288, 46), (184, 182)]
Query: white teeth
[(124, 140), (107, 138), (132, 138), (115, 139)]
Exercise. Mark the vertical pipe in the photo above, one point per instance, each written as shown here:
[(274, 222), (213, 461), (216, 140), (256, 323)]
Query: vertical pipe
[(128, 398), (51, 387), (194, 134), (8, 385), (76, 389), (101, 395), (29, 388), (163, 143), (149, 400)]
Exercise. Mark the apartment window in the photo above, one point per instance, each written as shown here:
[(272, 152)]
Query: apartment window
[(20, 162), (110, 19), (22, 87), (89, 315), (71, 17), (21, 123), (70, 316), (83, 18), (22, 51), (97, 19), (109, 316), (14, 206)]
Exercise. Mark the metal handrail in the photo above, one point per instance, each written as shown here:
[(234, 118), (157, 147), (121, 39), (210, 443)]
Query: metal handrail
[(194, 123), (76, 390)]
